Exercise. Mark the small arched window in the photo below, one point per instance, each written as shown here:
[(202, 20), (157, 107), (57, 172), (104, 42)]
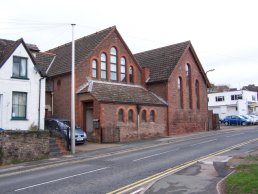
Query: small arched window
[(197, 93), (188, 84), (94, 69), (180, 93), (113, 64), (103, 66), (130, 115), (121, 115), (122, 70), (144, 116), (152, 116), (131, 74)]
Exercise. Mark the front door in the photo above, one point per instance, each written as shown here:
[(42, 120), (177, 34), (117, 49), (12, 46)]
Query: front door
[(89, 119)]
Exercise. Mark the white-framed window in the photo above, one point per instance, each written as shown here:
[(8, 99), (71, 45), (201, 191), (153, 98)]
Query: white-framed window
[(94, 69), (20, 68), (113, 64), (237, 97), (122, 70), (103, 66), (19, 106)]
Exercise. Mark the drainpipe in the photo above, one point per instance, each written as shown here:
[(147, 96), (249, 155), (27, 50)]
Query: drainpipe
[(39, 102), (52, 103)]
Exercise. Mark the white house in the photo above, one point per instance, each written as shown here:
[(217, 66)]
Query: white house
[(239, 102), (22, 87)]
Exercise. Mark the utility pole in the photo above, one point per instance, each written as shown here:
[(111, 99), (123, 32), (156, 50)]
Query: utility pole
[(73, 96)]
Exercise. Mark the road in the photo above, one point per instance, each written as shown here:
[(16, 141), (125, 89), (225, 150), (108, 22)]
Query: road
[(111, 172)]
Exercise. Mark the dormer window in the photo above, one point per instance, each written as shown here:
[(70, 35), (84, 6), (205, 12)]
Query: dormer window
[(20, 68)]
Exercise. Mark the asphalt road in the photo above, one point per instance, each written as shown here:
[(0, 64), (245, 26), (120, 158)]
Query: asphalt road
[(106, 174)]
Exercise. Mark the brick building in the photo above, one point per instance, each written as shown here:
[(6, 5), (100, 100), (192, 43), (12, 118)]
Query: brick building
[(123, 97)]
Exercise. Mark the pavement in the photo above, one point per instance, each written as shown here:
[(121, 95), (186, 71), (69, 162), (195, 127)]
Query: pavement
[(198, 178)]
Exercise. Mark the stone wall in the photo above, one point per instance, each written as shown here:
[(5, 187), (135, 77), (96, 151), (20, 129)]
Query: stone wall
[(21, 146)]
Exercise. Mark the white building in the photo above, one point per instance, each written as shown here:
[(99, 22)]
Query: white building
[(22, 87), (238, 102)]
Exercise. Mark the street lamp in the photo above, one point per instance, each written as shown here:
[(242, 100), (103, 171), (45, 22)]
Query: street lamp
[(209, 71)]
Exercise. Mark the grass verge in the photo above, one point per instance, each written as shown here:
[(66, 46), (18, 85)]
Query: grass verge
[(245, 179)]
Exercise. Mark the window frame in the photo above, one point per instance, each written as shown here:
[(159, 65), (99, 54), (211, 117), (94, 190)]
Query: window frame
[(180, 92), (188, 84), (25, 106), (130, 117), (144, 119), (219, 98), (19, 67), (131, 74), (103, 62), (197, 93), (152, 116), (121, 119), (113, 55), (94, 61), (123, 73)]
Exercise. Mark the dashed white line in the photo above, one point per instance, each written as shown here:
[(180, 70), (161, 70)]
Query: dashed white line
[(155, 155), (60, 179), (203, 142), (235, 134)]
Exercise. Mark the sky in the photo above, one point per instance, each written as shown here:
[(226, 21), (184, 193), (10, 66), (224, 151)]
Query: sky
[(224, 33)]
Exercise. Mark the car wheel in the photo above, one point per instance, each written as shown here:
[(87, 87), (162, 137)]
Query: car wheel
[(226, 123), (244, 123)]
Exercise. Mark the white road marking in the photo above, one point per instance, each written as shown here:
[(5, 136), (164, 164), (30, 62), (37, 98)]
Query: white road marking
[(56, 180), (138, 191), (155, 155), (204, 142), (235, 134)]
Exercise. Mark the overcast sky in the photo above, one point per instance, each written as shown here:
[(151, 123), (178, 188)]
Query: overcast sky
[(224, 33)]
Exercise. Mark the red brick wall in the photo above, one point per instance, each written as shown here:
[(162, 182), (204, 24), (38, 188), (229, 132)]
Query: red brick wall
[(159, 89), (128, 130), (187, 120)]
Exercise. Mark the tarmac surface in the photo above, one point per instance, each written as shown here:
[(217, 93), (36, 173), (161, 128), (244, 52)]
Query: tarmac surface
[(202, 177)]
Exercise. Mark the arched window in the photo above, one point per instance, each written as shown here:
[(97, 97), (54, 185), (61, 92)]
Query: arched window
[(131, 74), (180, 93), (121, 115), (188, 84), (144, 116), (152, 116), (197, 93), (130, 115), (103, 66), (113, 64), (94, 69), (122, 70)]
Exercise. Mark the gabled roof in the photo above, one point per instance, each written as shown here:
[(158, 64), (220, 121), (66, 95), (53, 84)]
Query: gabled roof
[(161, 61), (7, 47), (121, 93), (83, 48)]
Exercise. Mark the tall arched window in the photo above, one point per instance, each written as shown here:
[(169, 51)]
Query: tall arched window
[(103, 66), (113, 64), (131, 74), (152, 116), (122, 70), (130, 115), (121, 115), (197, 93), (144, 116), (180, 92), (188, 84), (94, 69)]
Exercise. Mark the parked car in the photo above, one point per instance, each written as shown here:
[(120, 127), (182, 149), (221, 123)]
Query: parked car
[(252, 119), (255, 117), (236, 120), (61, 125)]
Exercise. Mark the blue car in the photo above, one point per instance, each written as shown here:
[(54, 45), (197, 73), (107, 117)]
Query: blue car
[(236, 120)]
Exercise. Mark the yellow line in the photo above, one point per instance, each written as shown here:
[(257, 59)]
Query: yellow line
[(176, 169)]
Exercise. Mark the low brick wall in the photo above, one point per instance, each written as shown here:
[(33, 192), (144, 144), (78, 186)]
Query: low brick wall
[(20, 146)]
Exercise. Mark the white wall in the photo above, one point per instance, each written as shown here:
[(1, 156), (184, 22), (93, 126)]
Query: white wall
[(31, 87)]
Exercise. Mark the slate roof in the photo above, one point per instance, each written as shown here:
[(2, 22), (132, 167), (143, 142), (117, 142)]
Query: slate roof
[(161, 61), (121, 93), (44, 60), (83, 47)]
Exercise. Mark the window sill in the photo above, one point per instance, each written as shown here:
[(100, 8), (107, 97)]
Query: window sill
[(18, 119), (23, 78)]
